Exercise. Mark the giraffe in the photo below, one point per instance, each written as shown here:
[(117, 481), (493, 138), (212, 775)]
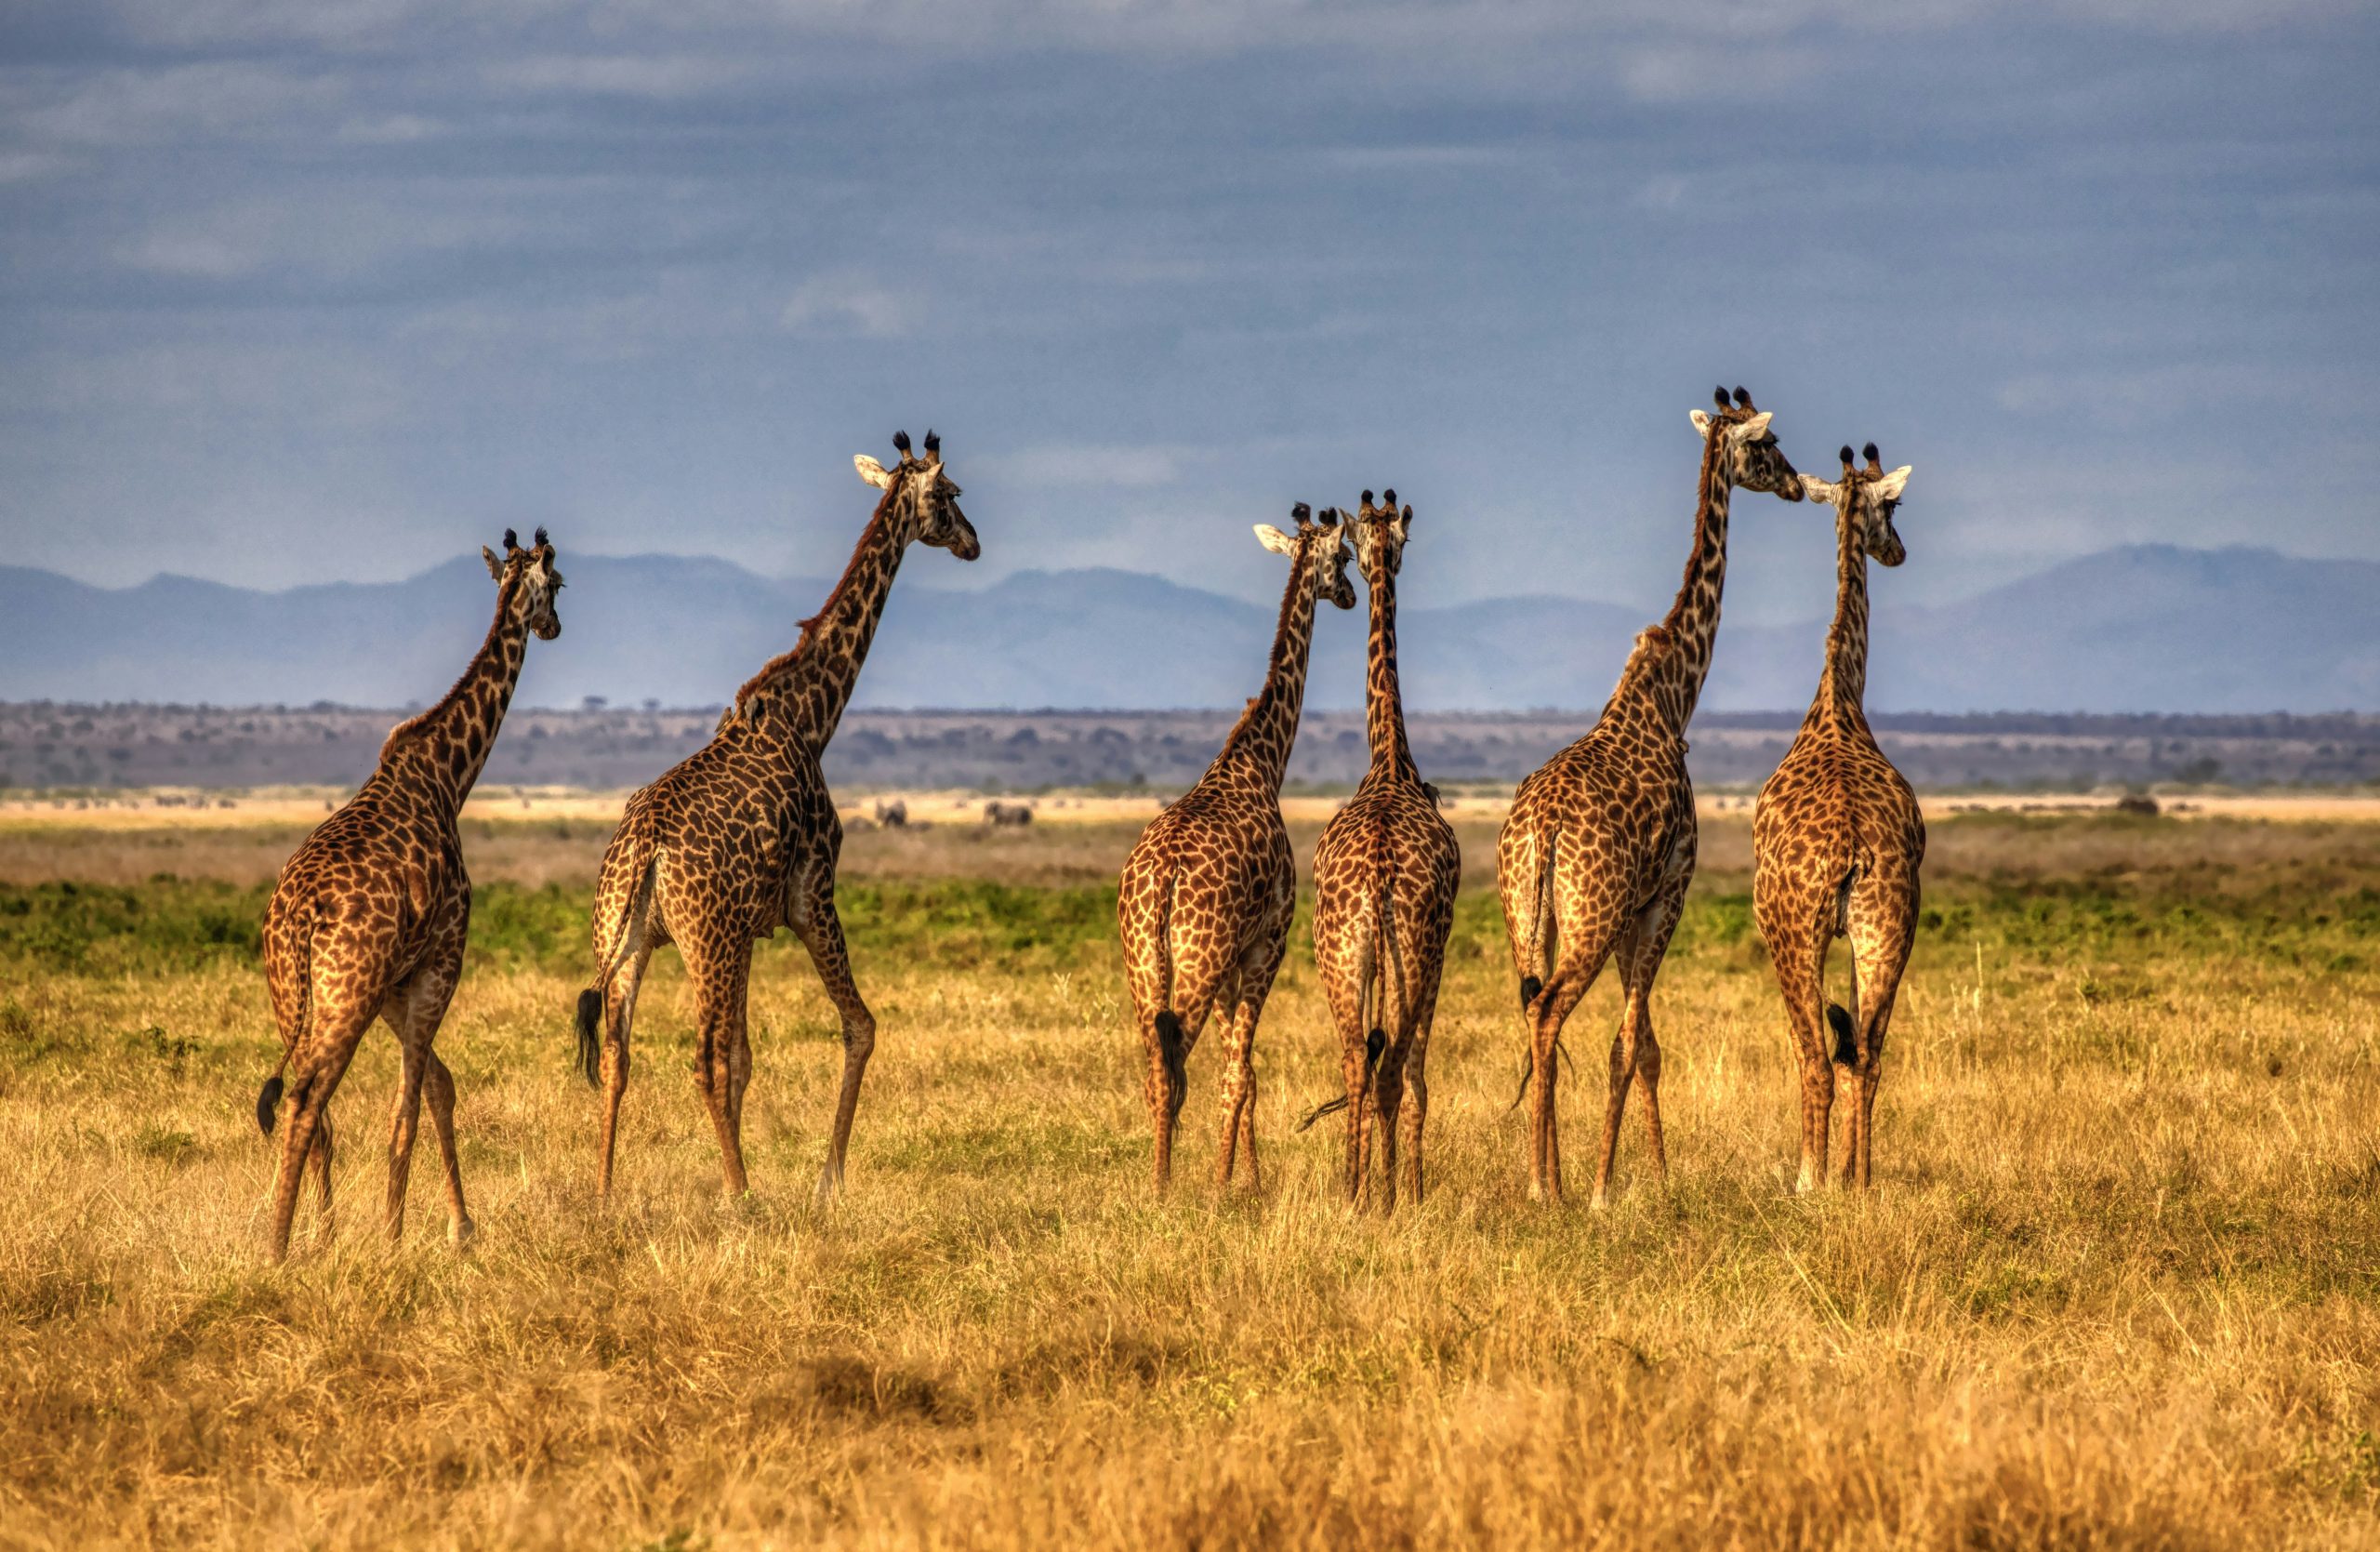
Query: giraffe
[(1596, 855), (1205, 898), (370, 915), (1384, 878), (1837, 840), (742, 837)]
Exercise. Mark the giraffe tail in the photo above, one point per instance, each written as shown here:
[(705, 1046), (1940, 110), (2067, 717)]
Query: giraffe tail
[(1172, 1045), (1844, 1022), (1373, 1004), (1536, 935), (1537, 928), (588, 1022), (268, 1097), (1170, 1052)]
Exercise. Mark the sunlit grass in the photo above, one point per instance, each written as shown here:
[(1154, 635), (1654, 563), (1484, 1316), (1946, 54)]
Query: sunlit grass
[(2117, 1286)]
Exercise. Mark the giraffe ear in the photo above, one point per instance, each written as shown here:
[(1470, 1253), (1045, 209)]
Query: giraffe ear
[(871, 470), (1891, 486), (494, 566), (1274, 540), (1701, 419), (1815, 489), (1755, 428)]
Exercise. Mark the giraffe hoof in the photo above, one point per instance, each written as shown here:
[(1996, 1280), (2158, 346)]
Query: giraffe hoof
[(462, 1231)]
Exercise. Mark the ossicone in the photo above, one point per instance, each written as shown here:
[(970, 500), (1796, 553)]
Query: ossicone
[(541, 538), (1744, 400), (901, 441), (1719, 396), (511, 541)]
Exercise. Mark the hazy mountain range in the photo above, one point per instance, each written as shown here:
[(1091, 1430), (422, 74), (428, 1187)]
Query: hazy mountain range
[(2146, 627)]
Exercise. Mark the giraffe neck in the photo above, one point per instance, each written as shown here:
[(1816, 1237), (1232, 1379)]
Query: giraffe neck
[(1843, 686), (1259, 745), (441, 753), (811, 685), (1676, 655), (1383, 705)]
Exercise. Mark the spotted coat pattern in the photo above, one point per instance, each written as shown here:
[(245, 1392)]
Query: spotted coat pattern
[(742, 838), (1204, 904), (1837, 843), (1384, 879), (1597, 852), (370, 915)]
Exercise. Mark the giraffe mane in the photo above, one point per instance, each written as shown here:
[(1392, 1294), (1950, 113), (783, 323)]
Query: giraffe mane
[(419, 720), (1301, 555), (776, 669)]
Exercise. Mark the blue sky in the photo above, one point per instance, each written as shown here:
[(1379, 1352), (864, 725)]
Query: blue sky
[(298, 289)]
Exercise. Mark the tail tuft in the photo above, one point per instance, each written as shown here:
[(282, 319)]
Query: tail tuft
[(1327, 1108), (1530, 987), (1846, 1052), (591, 1023), (267, 1102), (1168, 1050)]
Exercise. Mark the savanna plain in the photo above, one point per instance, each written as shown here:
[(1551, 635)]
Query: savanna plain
[(2119, 1283)]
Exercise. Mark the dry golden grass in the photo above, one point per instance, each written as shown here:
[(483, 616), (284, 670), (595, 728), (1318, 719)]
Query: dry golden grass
[(2117, 1286)]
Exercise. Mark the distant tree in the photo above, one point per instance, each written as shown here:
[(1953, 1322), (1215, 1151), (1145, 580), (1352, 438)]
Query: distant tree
[(593, 703)]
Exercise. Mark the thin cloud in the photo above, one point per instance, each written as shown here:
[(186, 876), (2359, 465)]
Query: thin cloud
[(847, 302)]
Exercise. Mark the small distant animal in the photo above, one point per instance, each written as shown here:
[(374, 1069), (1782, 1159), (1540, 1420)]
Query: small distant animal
[(2138, 803), (894, 814), (997, 813)]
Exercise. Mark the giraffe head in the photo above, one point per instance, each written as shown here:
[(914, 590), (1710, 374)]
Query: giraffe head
[(921, 495), (1380, 532), (530, 576), (1863, 501), (1748, 457), (1320, 547)]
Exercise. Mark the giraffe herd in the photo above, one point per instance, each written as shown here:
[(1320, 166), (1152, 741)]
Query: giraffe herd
[(371, 914)]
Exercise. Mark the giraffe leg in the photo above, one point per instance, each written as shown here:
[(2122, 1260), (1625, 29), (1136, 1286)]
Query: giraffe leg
[(320, 1063), (1798, 951), (1354, 1069), (1547, 1015), (619, 1016), (1417, 1078), (414, 1009), (722, 974), (318, 1164), (1388, 1099), (1255, 983), (1636, 1052), (1196, 996), (821, 931), (439, 1088), (1880, 944), (1343, 993), (405, 1118), (1239, 1082)]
